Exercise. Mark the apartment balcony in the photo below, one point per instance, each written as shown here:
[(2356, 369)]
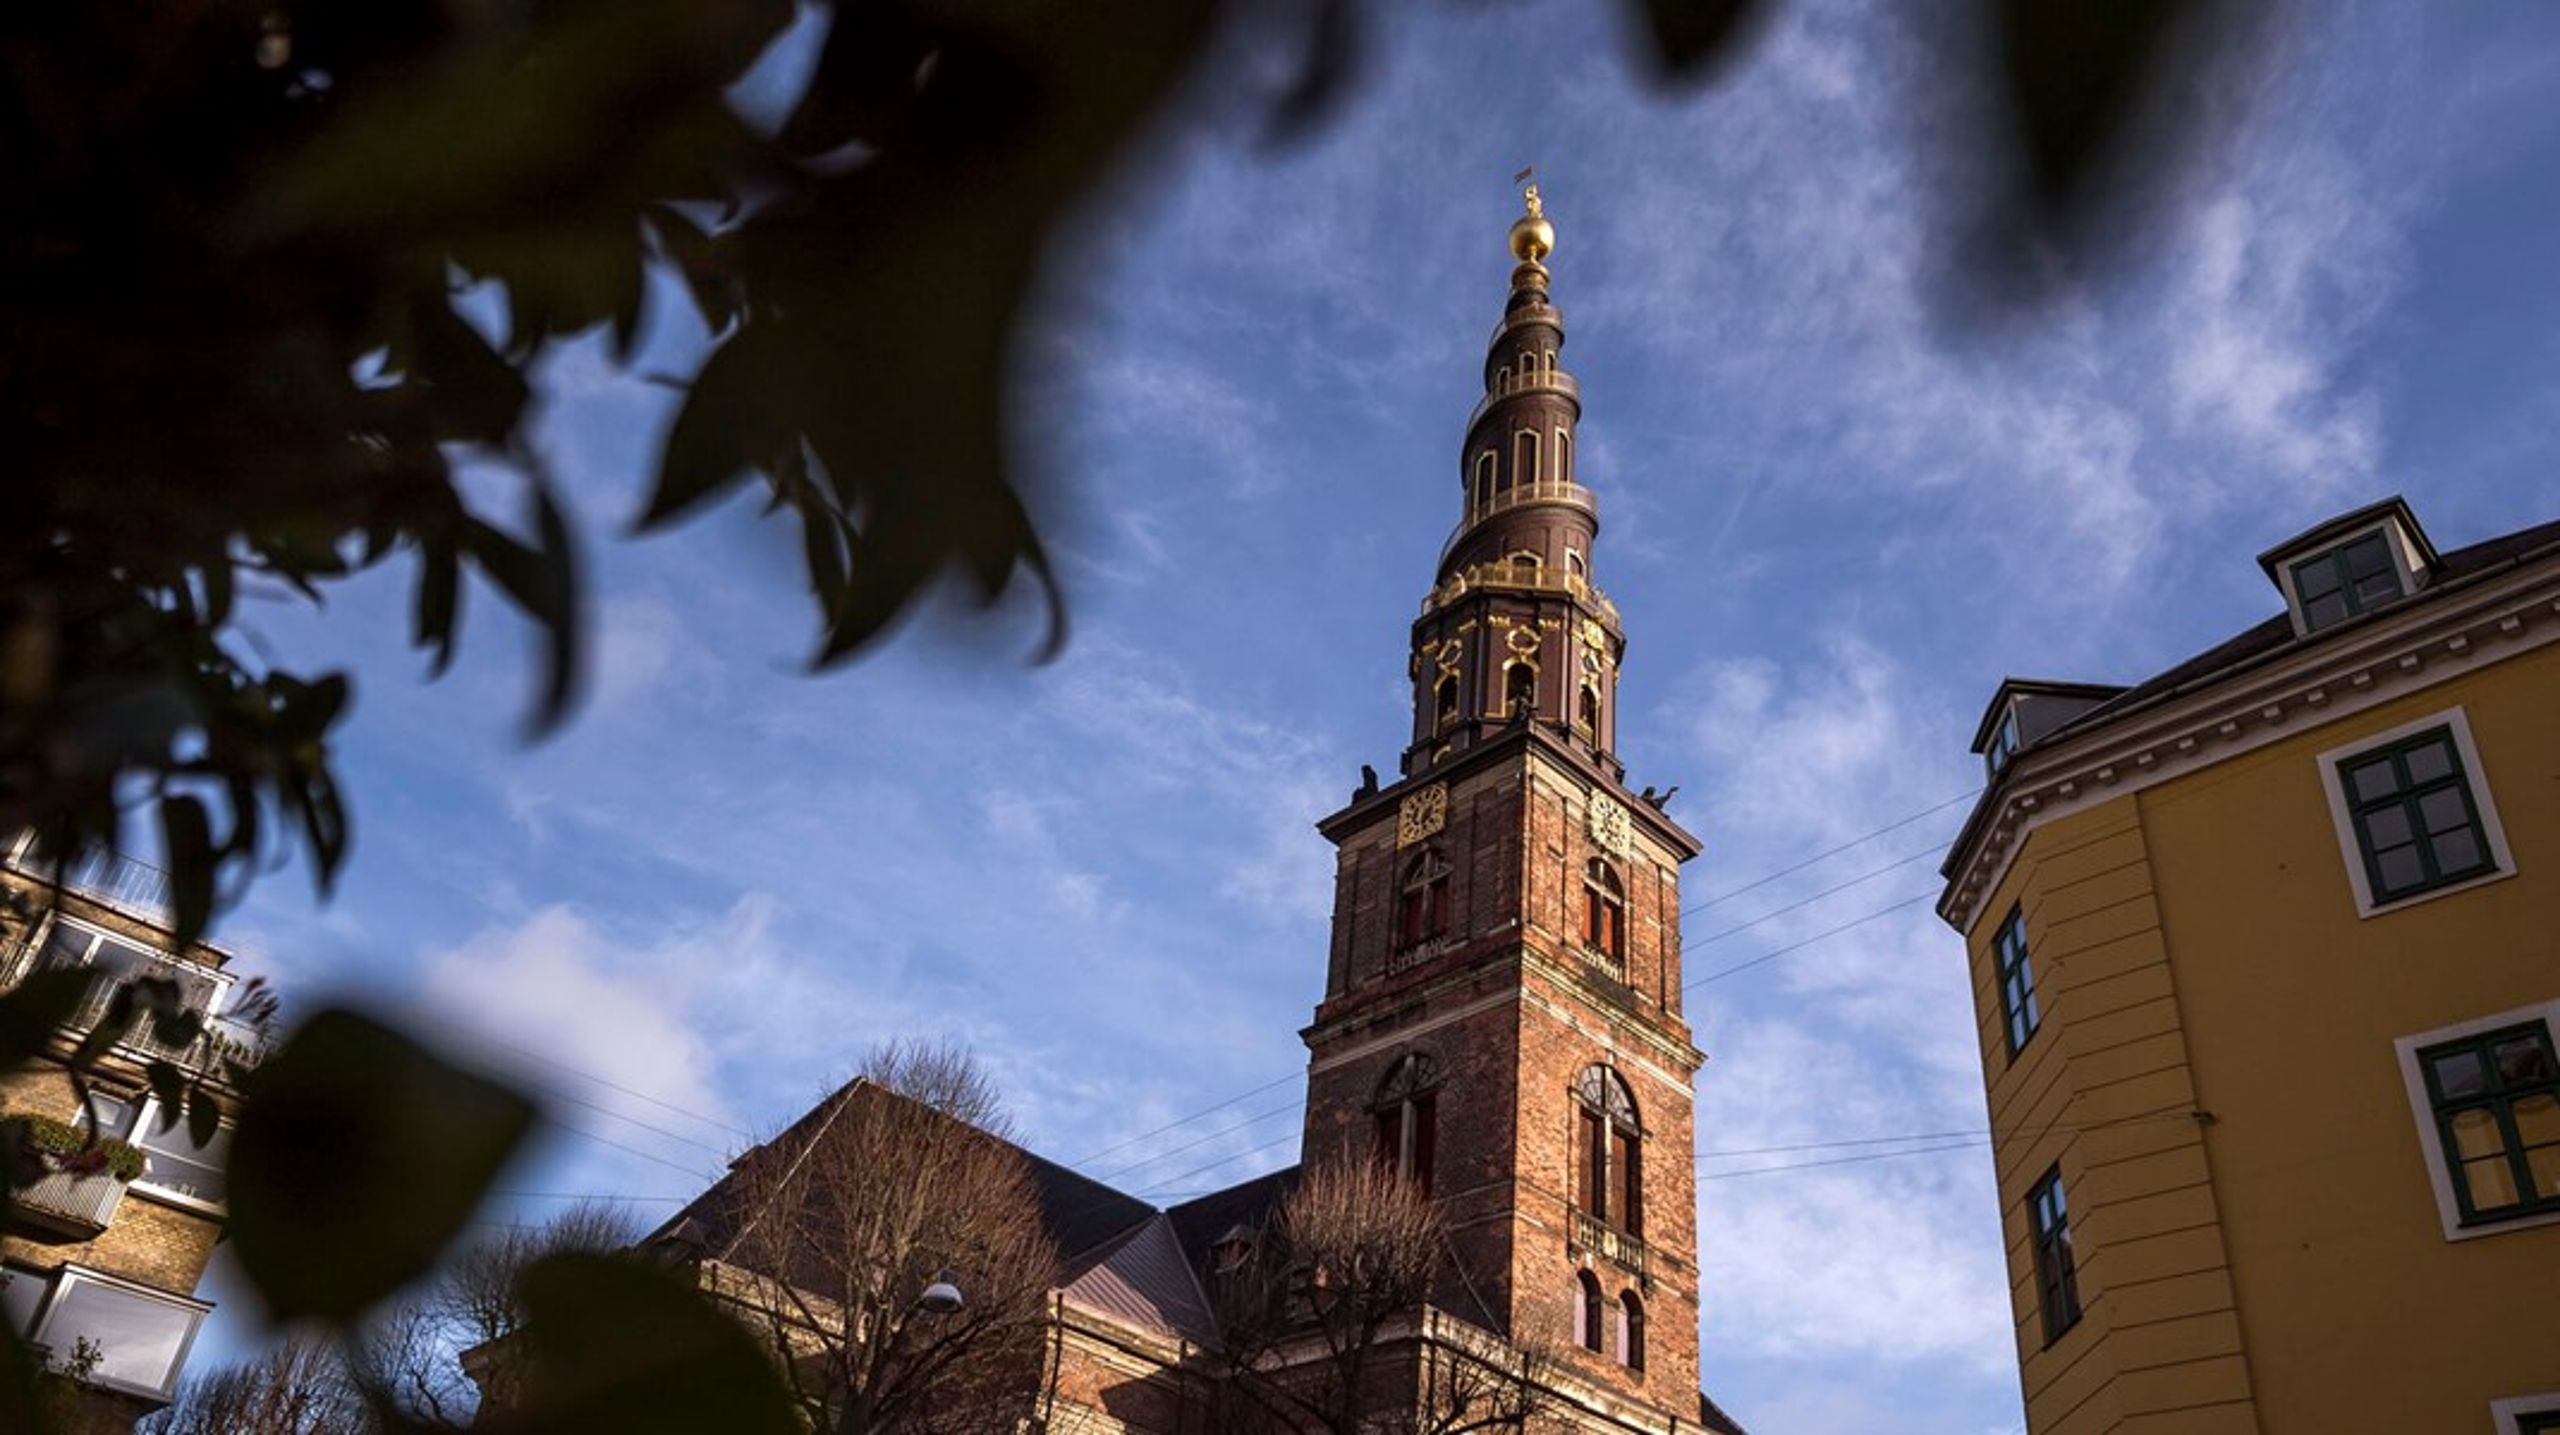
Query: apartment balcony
[(130, 886), (79, 938), (1595, 1237), (69, 1204)]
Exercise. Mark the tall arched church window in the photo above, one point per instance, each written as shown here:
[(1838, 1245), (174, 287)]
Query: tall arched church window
[(1604, 910), (1485, 463), (1444, 703), (1608, 1151), (1630, 1330), (1589, 1310), (1405, 1116), (1422, 900), (1524, 458), (1587, 711), (1519, 690), (1564, 454)]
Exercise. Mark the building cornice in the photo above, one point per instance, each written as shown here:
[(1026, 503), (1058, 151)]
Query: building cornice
[(2453, 629)]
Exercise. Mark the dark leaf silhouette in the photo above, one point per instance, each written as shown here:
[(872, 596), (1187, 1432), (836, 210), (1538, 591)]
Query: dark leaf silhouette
[(1692, 36), (613, 1344), (32, 1010), (334, 1204)]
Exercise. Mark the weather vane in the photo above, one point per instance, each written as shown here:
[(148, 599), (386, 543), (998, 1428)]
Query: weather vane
[(1528, 175)]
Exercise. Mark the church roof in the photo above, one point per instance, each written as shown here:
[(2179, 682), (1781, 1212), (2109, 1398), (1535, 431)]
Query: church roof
[(1143, 1277)]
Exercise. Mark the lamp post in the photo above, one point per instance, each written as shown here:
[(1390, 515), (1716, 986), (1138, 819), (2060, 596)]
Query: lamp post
[(941, 1298)]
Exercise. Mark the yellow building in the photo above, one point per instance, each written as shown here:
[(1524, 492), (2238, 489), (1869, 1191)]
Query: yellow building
[(2266, 955)]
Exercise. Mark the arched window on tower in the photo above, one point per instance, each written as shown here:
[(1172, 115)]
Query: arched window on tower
[(1630, 1330), (1525, 567), (1405, 1118), (1524, 459), (1573, 564), (1485, 463), (1444, 703), (1564, 454), (1586, 712), (1604, 910), (1608, 1151), (1519, 690), (1588, 1309), (1422, 900)]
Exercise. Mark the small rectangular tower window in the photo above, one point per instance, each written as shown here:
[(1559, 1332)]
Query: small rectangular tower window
[(2346, 580), (2417, 825), (2057, 1277), (2495, 1098), (2019, 1013)]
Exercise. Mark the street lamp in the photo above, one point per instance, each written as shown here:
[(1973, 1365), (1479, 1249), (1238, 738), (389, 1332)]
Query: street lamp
[(941, 1298)]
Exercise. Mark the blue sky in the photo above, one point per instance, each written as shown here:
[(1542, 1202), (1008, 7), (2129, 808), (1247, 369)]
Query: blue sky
[(1831, 523)]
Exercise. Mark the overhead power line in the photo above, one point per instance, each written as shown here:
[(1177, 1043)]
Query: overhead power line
[(1829, 852)]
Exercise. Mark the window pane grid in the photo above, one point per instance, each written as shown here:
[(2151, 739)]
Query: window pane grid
[(2344, 581), (2497, 1109), (2019, 1012), (2416, 824), (2057, 1276)]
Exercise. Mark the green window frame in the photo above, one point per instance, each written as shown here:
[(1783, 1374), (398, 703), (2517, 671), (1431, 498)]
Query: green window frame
[(2352, 578), (2014, 973), (2417, 823), (2496, 1103), (2057, 1273)]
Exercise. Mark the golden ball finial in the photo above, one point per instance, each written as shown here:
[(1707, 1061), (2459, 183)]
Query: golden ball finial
[(1532, 237)]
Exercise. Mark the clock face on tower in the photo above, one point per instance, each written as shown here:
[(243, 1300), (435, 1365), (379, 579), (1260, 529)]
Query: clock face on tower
[(1422, 814), (1608, 824)]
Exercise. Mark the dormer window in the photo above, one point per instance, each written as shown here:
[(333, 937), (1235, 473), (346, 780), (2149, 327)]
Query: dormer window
[(2004, 744), (2354, 563), (2347, 580)]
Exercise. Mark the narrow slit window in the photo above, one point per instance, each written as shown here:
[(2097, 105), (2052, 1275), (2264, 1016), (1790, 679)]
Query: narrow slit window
[(2057, 1274), (2019, 1013)]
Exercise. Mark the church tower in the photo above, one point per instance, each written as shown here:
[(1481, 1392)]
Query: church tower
[(1501, 1017)]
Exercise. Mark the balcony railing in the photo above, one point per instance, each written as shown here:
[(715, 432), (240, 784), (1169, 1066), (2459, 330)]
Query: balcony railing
[(220, 1040), (1597, 1237), (125, 883), (1536, 381), (1503, 573), (78, 1206)]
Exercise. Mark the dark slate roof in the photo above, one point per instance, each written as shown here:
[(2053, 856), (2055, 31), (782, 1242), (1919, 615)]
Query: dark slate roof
[(1082, 1215), (1714, 1418), (2276, 633), (1198, 1223), (2264, 641)]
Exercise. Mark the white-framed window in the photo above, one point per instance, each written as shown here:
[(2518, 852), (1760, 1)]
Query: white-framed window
[(2414, 814), (22, 1293), (176, 1168), (2356, 573), (141, 1333), (2486, 1097), (2527, 1414)]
